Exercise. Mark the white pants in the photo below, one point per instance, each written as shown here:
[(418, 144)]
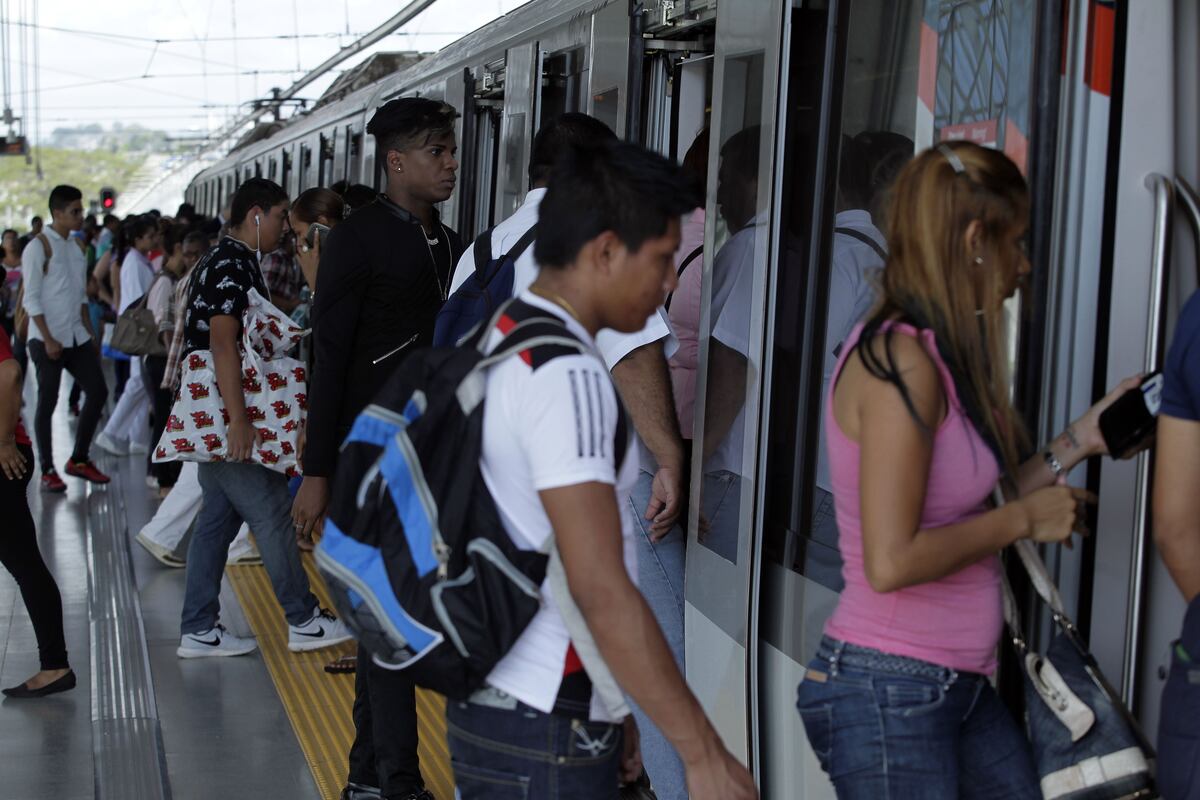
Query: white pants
[(131, 418), (181, 505)]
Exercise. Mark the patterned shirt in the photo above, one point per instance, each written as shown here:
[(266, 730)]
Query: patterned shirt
[(283, 274), (220, 286)]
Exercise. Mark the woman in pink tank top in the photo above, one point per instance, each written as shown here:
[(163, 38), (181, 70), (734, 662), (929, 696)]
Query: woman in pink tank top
[(920, 430)]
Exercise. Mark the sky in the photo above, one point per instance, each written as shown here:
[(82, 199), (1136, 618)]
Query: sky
[(101, 63)]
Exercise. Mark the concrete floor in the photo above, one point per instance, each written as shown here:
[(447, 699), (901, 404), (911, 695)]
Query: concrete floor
[(224, 730)]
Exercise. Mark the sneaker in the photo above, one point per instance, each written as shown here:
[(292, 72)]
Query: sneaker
[(110, 445), (214, 642), (138, 448), (164, 556), (323, 630), (52, 483), (86, 470)]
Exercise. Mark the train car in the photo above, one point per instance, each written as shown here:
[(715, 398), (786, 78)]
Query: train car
[(1095, 101)]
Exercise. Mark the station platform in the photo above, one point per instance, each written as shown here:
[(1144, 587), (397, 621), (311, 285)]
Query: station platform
[(141, 722)]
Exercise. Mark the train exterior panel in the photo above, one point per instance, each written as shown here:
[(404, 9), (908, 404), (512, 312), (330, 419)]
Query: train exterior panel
[(1090, 98)]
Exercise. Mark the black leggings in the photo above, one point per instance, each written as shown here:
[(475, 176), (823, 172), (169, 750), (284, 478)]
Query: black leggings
[(153, 369), (20, 556)]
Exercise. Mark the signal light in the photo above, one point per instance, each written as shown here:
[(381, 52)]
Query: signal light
[(108, 198)]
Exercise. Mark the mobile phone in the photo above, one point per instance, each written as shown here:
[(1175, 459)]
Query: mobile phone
[(1133, 417), (316, 230)]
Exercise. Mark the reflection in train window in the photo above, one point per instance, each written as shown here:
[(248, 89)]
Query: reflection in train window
[(738, 222), (604, 107)]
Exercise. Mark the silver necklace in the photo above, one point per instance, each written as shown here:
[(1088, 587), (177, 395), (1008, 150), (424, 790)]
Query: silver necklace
[(442, 288)]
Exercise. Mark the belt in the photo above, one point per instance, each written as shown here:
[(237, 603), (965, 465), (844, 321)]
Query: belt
[(843, 654)]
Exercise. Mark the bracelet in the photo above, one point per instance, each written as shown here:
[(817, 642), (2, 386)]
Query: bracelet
[(1053, 463)]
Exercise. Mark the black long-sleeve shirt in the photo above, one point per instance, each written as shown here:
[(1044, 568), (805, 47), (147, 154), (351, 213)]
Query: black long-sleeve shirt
[(380, 285)]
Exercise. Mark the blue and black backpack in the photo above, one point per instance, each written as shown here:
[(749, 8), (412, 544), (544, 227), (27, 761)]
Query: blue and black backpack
[(416, 558), (484, 291)]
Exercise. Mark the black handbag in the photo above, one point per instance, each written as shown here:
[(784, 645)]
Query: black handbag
[(1086, 744)]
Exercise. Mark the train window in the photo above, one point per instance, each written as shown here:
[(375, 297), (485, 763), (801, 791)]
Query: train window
[(303, 172), (739, 242), (563, 76), (325, 166), (285, 169), (272, 168), (354, 158)]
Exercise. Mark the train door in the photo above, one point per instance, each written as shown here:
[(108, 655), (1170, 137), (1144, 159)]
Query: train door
[(1148, 269), (609, 54), (860, 85), (725, 466), (483, 112), (516, 133)]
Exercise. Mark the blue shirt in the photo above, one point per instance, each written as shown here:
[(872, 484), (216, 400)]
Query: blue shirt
[(1181, 375)]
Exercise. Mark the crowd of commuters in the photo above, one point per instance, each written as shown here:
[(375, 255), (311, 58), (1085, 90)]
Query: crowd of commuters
[(918, 430)]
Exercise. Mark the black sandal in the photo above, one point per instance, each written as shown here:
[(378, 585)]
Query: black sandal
[(342, 666)]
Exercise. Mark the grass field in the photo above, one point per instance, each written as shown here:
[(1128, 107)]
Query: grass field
[(22, 195)]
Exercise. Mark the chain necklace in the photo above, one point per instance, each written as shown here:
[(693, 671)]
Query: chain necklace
[(443, 289), (559, 300)]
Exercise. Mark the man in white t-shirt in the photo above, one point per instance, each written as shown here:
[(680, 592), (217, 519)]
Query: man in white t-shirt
[(553, 718), (638, 364)]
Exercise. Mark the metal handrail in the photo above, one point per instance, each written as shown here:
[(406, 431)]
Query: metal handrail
[(1160, 259), (1191, 204)]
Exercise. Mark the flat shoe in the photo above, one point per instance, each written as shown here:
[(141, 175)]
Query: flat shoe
[(63, 684)]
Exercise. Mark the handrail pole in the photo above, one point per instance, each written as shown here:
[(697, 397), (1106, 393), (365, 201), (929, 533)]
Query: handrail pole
[(1160, 257)]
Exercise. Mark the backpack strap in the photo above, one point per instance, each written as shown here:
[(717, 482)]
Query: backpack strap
[(483, 254), (687, 262), (522, 244), (49, 251), (865, 239)]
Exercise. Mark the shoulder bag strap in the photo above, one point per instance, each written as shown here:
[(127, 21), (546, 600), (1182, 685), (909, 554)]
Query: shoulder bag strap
[(687, 262), (48, 250), (864, 238)]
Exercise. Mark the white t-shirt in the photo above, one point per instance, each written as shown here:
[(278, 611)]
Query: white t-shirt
[(613, 346), (547, 428), (136, 276)]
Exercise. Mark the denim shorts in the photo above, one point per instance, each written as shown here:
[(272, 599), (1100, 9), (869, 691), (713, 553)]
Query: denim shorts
[(885, 726)]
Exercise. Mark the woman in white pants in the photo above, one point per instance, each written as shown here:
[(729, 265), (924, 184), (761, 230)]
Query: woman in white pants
[(165, 536), (128, 429)]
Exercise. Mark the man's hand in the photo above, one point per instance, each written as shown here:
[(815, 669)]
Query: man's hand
[(308, 508), (631, 757), (12, 463), (666, 500), (720, 776), (242, 438), (54, 348)]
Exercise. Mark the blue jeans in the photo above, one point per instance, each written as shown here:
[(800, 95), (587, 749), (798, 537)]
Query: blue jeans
[(660, 578), (236, 492), (502, 749), (885, 726), (1179, 722)]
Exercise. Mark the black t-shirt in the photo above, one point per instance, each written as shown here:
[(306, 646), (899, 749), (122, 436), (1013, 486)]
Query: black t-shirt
[(220, 285)]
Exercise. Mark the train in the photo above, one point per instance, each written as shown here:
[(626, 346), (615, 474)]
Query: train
[(1095, 101)]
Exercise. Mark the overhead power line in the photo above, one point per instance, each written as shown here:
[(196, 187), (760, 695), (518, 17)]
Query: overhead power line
[(283, 37)]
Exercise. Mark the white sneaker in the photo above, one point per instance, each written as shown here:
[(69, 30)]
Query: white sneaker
[(138, 448), (323, 630), (164, 555), (214, 642), (110, 445)]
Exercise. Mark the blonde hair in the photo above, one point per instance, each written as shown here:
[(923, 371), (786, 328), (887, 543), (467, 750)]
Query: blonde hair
[(934, 282)]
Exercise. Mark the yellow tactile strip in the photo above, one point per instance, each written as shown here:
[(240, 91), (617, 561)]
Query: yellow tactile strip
[(319, 704)]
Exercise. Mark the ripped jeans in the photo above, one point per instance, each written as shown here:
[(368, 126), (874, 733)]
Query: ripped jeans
[(502, 749)]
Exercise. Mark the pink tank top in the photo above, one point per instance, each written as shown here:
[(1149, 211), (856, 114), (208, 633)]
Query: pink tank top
[(956, 621)]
